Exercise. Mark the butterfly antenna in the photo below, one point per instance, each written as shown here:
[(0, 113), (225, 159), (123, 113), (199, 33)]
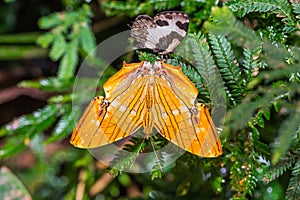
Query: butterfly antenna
[(158, 162), (137, 153)]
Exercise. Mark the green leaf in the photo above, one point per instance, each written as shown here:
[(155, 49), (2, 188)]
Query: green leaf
[(69, 61), (58, 47), (11, 187), (51, 84), (12, 147), (50, 21), (293, 190), (124, 180), (183, 188), (281, 167), (156, 174), (260, 122), (287, 133), (277, 105), (62, 98), (240, 115), (64, 126), (86, 38), (45, 40), (157, 195), (32, 123), (267, 113)]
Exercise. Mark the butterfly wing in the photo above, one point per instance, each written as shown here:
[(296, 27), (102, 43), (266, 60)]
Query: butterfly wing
[(117, 116), (140, 32), (163, 33), (179, 120)]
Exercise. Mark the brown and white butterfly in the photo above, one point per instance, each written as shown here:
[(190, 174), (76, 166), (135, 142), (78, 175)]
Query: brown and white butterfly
[(161, 34)]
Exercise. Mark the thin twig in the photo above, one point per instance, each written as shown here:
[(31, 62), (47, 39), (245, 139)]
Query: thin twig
[(101, 184)]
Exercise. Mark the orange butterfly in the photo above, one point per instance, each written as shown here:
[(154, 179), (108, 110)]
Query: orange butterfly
[(151, 96)]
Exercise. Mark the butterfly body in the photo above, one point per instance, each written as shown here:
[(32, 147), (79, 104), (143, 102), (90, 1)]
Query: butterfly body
[(153, 96)]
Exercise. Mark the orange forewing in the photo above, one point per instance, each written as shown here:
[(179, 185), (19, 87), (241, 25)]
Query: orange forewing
[(156, 96)]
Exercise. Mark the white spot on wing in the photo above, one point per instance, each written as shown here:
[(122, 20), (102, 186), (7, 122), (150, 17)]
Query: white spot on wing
[(175, 112), (164, 114), (122, 108), (133, 112), (184, 109), (115, 103)]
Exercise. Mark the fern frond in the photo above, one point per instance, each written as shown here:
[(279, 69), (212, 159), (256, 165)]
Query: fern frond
[(73, 27), (251, 65), (51, 84), (241, 8), (281, 8), (260, 148), (64, 126), (245, 112), (147, 56), (86, 38), (45, 40), (284, 10), (293, 189), (23, 129), (223, 22), (287, 133), (196, 51), (69, 61), (124, 161), (58, 47), (197, 80), (281, 167), (228, 69), (247, 156), (296, 9)]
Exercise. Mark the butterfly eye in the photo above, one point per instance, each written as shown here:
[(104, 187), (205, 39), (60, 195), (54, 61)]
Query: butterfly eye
[(138, 72), (157, 70), (146, 68)]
